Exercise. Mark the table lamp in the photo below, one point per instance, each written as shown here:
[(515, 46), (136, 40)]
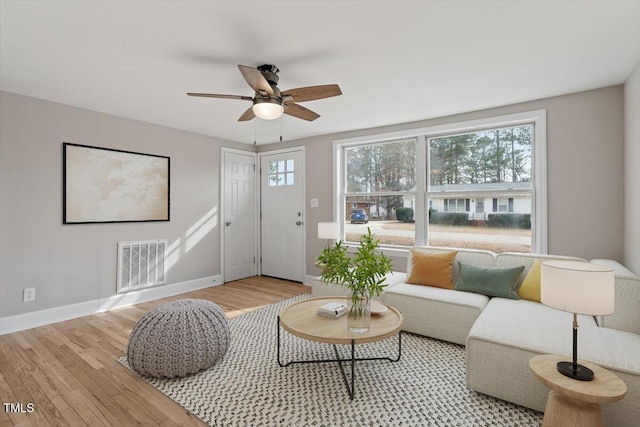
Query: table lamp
[(578, 288), (329, 231)]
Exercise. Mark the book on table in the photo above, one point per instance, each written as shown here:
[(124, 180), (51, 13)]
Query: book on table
[(332, 310)]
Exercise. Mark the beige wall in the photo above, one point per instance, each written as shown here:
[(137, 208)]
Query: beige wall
[(69, 264), (585, 142), (76, 263), (632, 170)]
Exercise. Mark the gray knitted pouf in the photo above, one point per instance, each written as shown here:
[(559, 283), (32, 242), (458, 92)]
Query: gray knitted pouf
[(178, 338)]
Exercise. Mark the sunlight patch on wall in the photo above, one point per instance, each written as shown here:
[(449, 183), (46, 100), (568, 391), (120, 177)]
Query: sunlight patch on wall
[(201, 228), (172, 254)]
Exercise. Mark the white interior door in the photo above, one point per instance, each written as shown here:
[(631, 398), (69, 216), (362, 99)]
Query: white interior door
[(239, 211), (282, 224)]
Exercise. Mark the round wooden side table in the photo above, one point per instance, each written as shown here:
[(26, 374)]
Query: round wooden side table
[(573, 402)]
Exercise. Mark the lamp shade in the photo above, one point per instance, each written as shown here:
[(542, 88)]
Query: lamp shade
[(267, 109), (328, 230), (577, 287)]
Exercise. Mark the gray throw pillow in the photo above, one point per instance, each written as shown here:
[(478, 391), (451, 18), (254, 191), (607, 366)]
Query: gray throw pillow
[(490, 281)]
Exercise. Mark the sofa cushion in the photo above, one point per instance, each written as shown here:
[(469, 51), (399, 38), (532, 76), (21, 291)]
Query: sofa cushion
[(627, 299), (394, 278), (505, 337), (509, 259), (490, 281), (472, 256), (530, 287), (529, 325), (432, 269), (509, 333), (444, 314)]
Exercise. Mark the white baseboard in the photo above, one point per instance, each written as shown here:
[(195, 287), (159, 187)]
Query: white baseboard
[(34, 319)]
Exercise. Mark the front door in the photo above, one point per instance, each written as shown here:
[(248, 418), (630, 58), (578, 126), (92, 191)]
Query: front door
[(239, 211), (282, 223), (479, 214)]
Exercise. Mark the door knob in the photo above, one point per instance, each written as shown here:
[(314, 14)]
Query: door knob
[(228, 223), (298, 222)]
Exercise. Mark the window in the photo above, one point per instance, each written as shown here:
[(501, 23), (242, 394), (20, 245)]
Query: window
[(456, 205), (380, 179), (503, 204), (281, 173), (479, 184)]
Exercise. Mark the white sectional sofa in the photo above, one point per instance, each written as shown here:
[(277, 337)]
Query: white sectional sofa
[(501, 335)]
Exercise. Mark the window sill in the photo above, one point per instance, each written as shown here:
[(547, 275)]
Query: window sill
[(393, 251)]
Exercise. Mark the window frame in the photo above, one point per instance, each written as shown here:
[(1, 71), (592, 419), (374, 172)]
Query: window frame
[(539, 241)]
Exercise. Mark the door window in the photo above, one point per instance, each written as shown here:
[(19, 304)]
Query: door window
[(281, 173)]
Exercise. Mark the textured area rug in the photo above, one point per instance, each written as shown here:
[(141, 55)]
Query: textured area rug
[(248, 387)]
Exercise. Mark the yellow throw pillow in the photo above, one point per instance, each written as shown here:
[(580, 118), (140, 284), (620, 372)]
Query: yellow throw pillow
[(432, 269), (530, 288)]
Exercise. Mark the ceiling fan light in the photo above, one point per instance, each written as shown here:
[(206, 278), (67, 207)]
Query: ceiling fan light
[(268, 109)]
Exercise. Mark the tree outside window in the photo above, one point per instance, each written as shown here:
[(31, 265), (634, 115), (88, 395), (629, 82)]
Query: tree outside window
[(381, 179)]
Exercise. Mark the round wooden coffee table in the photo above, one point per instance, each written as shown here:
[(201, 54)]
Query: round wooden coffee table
[(572, 402), (302, 320)]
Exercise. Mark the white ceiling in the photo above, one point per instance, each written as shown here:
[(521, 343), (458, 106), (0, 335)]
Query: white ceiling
[(395, 61)]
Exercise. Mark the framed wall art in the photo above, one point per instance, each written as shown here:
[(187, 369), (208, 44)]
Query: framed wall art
[(106, 185)]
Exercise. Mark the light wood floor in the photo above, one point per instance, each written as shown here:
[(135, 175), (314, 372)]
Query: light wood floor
[(69, 372)]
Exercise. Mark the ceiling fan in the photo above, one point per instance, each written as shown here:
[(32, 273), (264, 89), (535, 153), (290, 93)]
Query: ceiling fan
[(269, 102)]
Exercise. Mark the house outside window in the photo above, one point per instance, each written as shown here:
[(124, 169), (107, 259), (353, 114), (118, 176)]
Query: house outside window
[(478, 184)]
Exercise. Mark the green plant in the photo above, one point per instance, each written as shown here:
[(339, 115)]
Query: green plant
[(404, 214), (509, 220), (363, 274), (448, 218)]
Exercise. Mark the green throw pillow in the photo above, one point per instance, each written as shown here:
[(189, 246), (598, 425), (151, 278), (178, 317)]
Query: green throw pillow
[(490, 281)]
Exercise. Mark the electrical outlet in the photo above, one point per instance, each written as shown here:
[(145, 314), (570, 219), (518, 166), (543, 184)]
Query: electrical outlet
[(29, 294)]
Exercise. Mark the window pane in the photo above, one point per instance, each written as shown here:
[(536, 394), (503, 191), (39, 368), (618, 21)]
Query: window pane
[(481, 166), (391, 219), (484, 160), (381, 167), (289, 165), (289, 178), (275, 180), (483, 225), (281, 166)]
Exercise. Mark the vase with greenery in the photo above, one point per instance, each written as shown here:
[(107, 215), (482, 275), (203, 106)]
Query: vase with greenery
[(363, 274)]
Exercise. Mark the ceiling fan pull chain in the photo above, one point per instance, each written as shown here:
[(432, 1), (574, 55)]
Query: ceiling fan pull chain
[(255, 124), (281, 128)]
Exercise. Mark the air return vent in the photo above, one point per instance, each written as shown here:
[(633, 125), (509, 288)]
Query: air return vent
[(141, 264)]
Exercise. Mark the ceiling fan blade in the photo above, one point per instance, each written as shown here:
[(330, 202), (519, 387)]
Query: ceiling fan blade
[(300, 112), (311, 93), (247, 115), (256, 80), (215, 95)]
